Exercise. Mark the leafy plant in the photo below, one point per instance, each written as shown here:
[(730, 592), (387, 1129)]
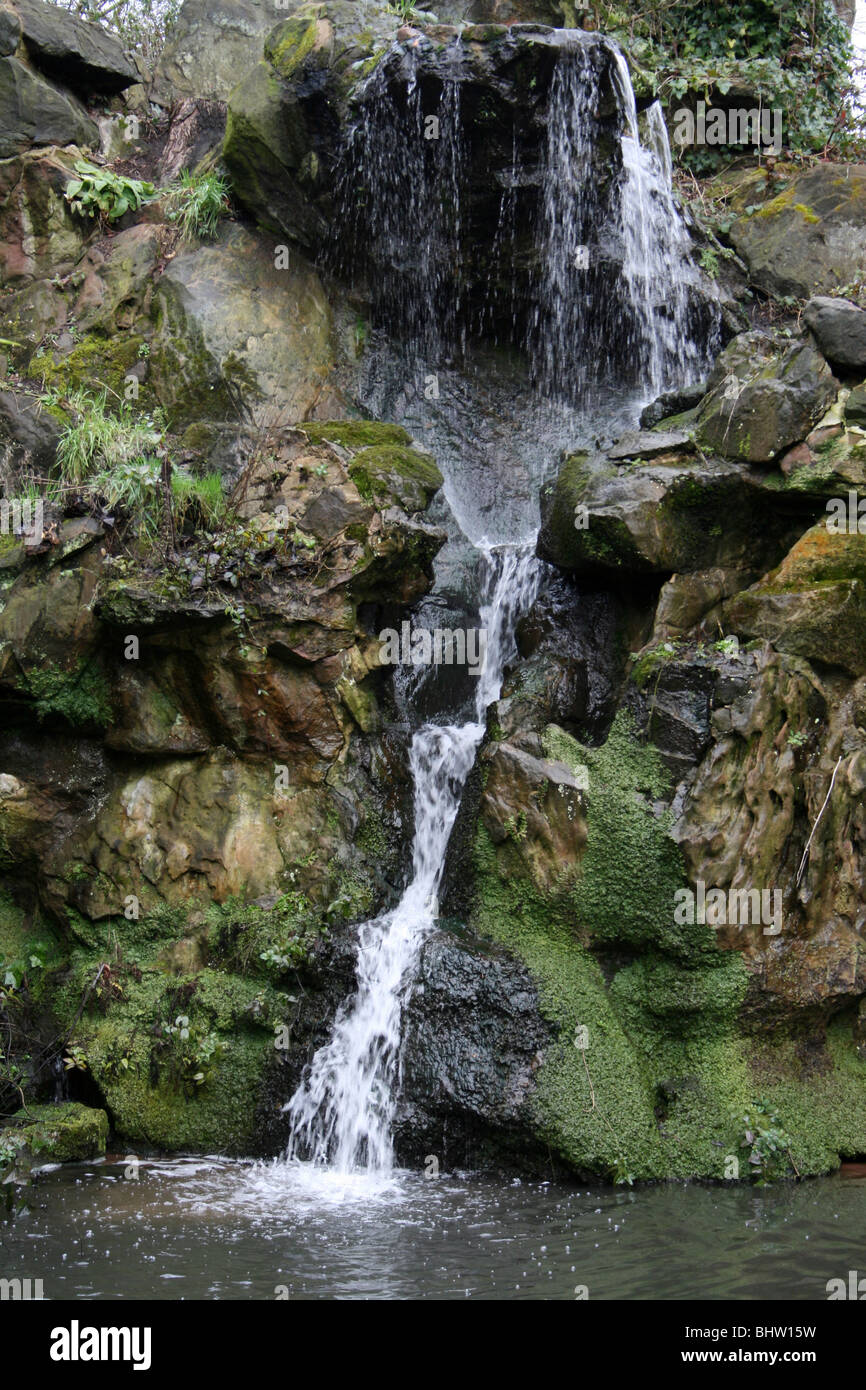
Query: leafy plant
[(198, 203), (765, 1142), (102, 193), (75, 1058), (193, 1053)]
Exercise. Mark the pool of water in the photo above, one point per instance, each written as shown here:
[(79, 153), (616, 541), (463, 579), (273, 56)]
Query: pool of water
[(211, 1228)]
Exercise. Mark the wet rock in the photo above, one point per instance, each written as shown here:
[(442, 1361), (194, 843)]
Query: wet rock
[(534, 808), (473, 1039), (672, 403), (763, 396), (647, 444), (39, 237), (840, 330), (659, 518)]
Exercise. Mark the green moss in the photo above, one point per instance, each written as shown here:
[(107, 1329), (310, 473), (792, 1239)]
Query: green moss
[(57, 1133), (94, 363), (289, 44), (354, 434), (386, 473), (592, 1105), (631, 868), (82, 696), (148, 1082)]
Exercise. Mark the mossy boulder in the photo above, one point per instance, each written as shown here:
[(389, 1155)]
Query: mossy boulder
[(814, 604), (762, 397), (55, 1133), (394, 473), (801, 233)]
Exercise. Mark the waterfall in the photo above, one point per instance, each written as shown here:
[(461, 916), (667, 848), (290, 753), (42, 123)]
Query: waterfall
[(595, 322), (403, 219), (342, 1111), (656, 266)]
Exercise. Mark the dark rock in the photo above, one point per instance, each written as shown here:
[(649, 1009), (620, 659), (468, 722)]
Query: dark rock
[(672, 403), (31, 430), (473, 1039), (34, 113), (68, 49), (840, 331), (855, 407)]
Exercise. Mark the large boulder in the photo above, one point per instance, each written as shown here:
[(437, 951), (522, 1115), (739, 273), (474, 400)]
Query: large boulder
[(762, 397), (801, 233), (229, 321), (72, 51), (840, 330), (32, 112), (598, 518), (211, 47)]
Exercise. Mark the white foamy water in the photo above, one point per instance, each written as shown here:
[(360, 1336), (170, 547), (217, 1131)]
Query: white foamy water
[(342, 1111)]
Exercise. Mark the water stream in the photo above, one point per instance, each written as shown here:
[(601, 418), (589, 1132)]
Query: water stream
[(342, 1111)]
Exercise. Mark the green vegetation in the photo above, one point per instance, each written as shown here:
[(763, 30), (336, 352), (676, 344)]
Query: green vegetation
[(782, 53), (102, 193), (198, 203), (81, 696), (764, 1142)]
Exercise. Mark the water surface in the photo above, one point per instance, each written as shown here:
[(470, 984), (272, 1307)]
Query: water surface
[(211, 1228)]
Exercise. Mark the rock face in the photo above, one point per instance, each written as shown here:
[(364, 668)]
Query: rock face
[(229, 322), (32, 112), (212, 47), (69, 50), (807, 236)]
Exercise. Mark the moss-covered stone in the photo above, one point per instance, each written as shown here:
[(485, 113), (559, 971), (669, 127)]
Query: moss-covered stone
[(56, 1133)]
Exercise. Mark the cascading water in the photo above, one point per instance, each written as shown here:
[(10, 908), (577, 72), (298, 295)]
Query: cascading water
[(408, 216), (342, 1112)]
